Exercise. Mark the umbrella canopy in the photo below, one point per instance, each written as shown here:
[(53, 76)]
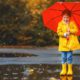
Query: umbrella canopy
[(53, 14)]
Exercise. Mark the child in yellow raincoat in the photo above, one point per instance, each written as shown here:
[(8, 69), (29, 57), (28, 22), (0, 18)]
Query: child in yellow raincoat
[(68, 41)]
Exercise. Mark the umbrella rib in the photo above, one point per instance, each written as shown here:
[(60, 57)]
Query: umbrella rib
[(55, 9), (76, 21), (76, 14), (73, 7), (54, 18), (64, 6), (76, 10)]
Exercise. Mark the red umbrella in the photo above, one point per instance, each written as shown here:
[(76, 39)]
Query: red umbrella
[(53, 14)]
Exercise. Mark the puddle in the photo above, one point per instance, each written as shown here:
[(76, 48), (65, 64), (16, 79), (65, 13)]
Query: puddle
[(34, 64), (17, 55), (35, 72)]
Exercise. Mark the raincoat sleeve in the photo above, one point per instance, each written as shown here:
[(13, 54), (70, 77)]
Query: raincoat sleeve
[(59, 30), (74, 28)]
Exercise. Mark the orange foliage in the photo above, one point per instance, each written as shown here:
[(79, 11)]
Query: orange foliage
[(34, 4)]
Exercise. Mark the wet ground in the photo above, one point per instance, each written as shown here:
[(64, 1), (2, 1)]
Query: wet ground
[(35, 64), (36, 72)]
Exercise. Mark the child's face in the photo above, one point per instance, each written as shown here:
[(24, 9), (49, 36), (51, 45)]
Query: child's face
[(66, 18)]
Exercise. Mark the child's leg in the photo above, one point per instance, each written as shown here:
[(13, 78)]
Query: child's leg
[(64, 60), (64, 57), (69, 57), (69, 61)]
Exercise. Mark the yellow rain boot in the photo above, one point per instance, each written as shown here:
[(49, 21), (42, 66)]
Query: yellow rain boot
[(70, 71), (69, 77), (63, 77), (63, 72)]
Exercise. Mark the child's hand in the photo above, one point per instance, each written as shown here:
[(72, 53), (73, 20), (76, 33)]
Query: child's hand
[(66, 34)]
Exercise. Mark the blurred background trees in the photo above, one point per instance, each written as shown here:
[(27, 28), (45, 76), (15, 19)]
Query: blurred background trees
[(21, 23), (14, 15)]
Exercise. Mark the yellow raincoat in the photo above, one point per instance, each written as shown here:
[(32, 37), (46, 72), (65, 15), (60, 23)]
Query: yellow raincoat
[(72, 43)]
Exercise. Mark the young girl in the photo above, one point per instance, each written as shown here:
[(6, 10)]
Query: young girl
[(68, 41)]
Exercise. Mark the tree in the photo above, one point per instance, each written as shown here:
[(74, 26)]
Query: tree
[(17, 16)]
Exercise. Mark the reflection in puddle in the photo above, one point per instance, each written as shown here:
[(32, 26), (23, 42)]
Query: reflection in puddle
[(35, 72), (17, 55), (66, 77)]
